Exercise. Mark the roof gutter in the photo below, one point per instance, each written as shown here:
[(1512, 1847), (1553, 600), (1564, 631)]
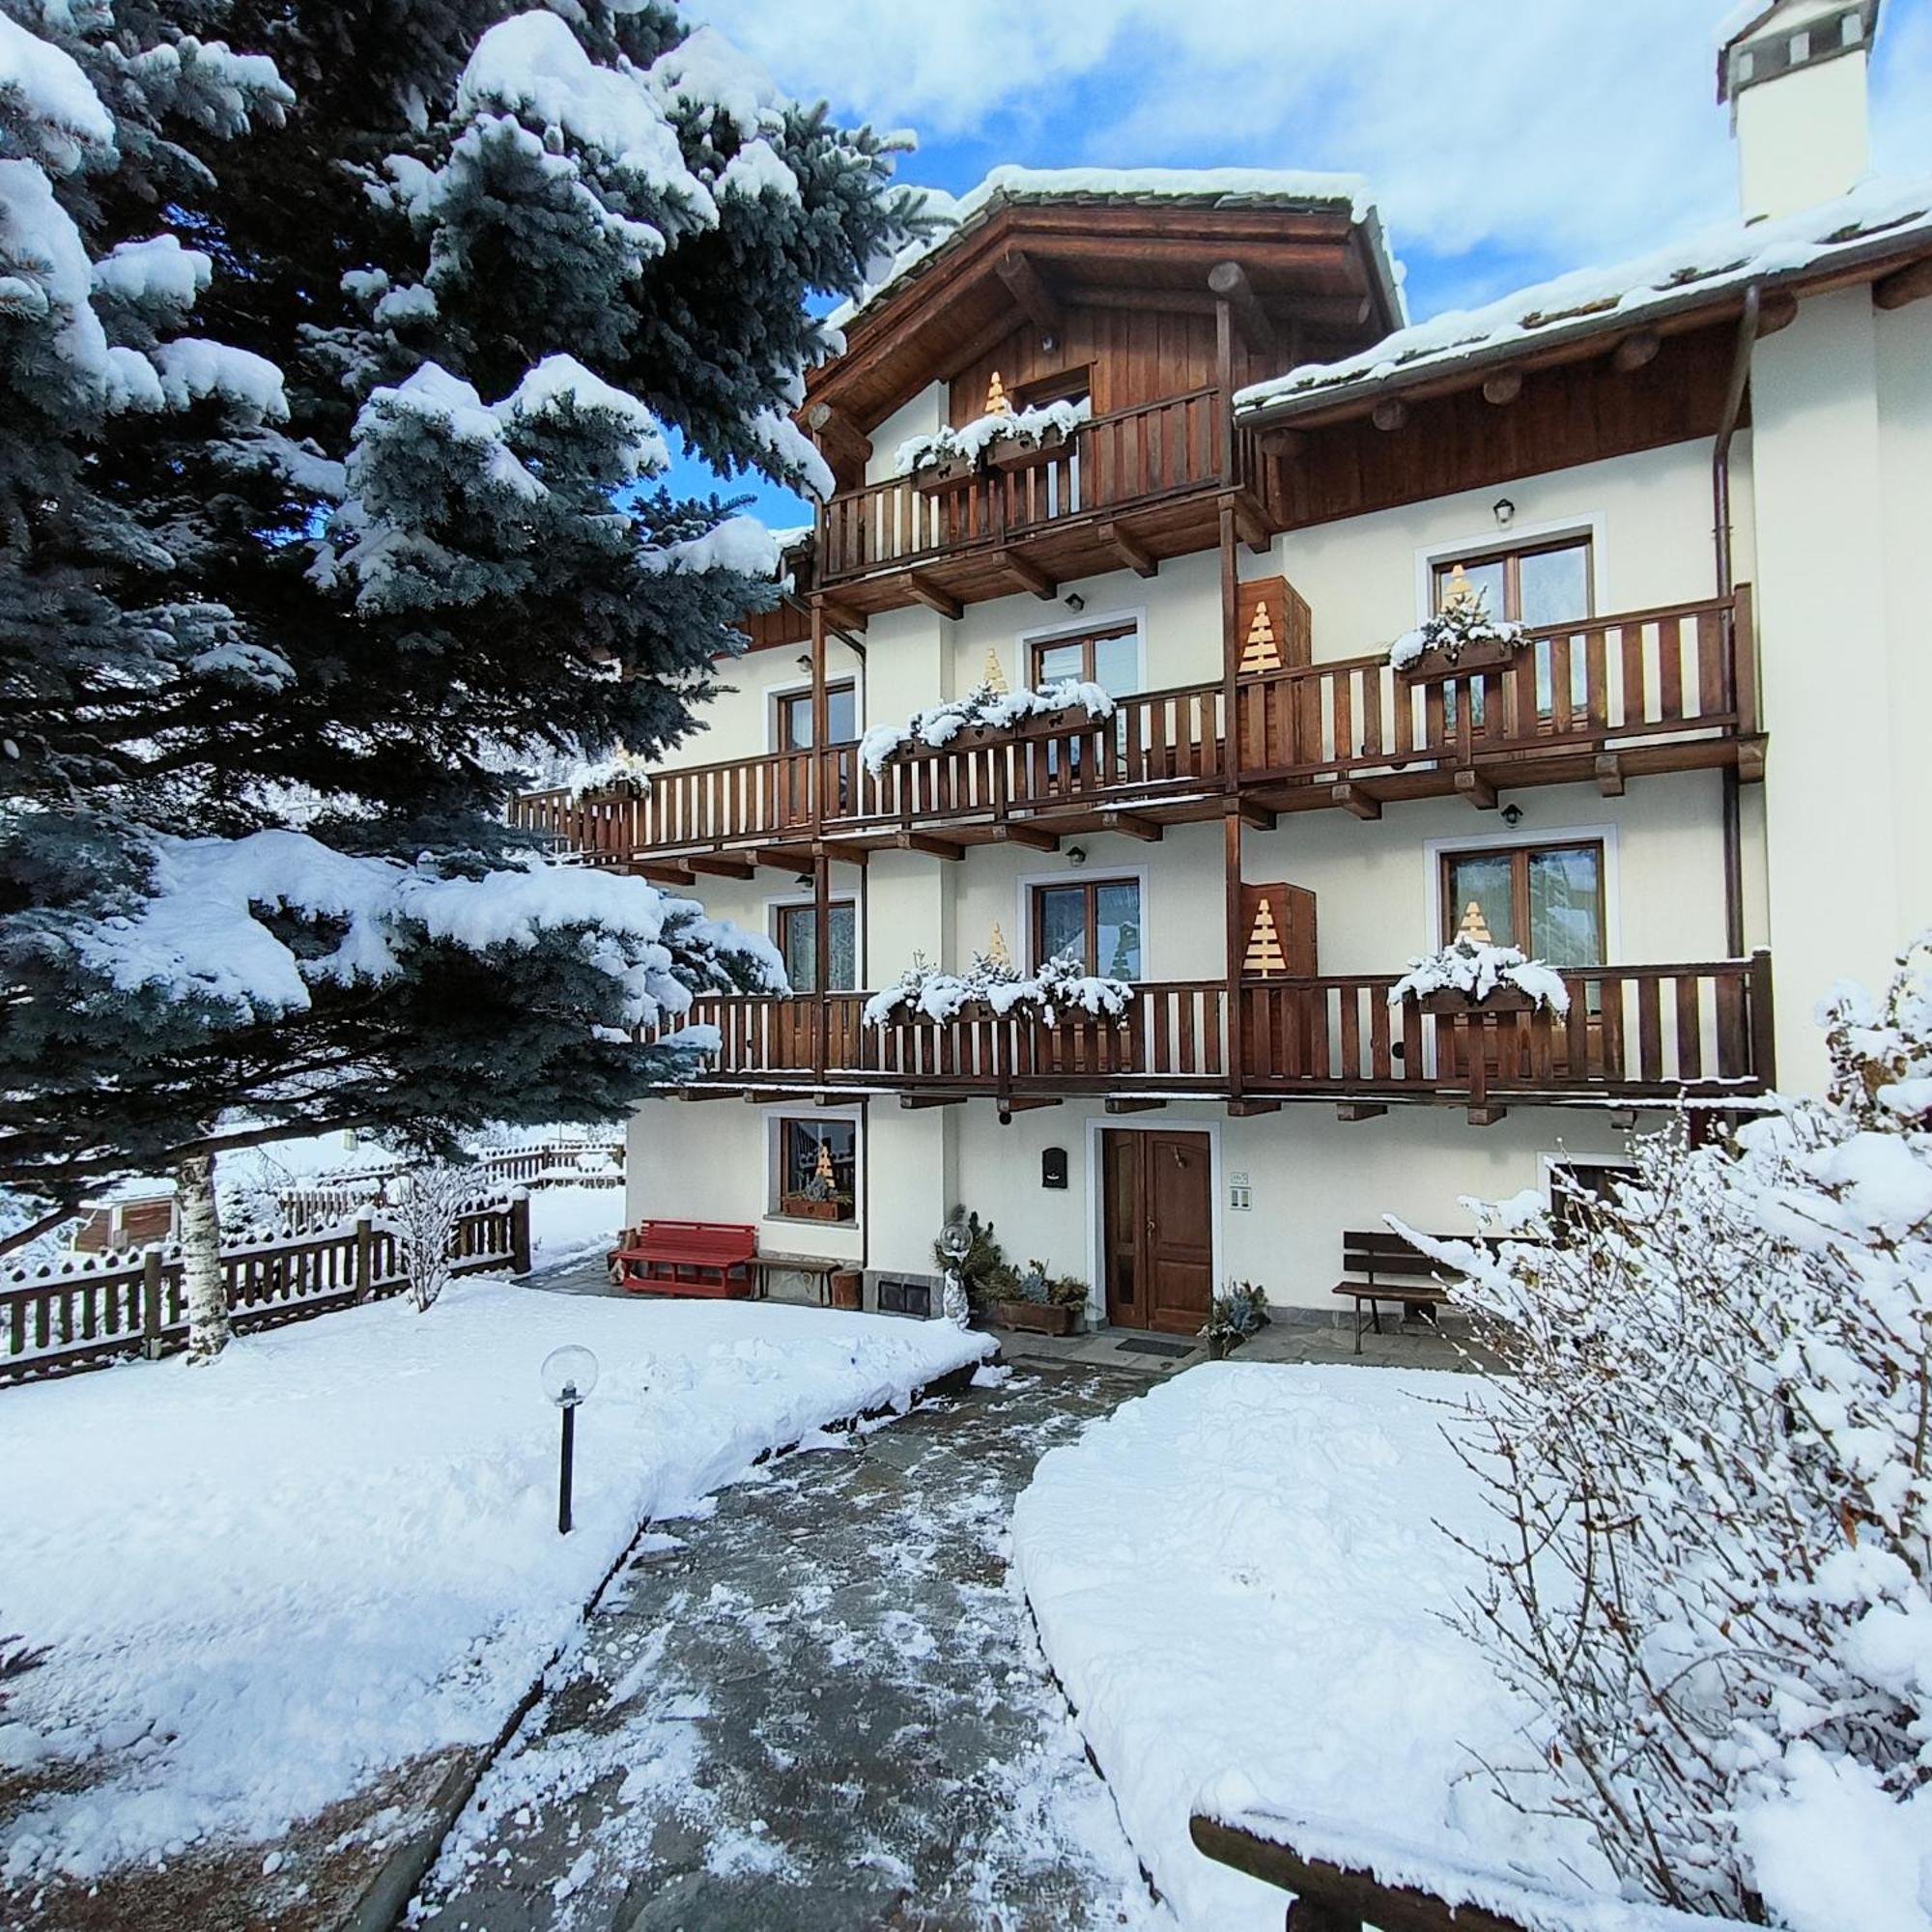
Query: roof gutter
[(1720, 539)]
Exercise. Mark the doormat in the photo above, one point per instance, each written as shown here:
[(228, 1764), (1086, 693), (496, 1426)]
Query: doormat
[(1145, 1344)]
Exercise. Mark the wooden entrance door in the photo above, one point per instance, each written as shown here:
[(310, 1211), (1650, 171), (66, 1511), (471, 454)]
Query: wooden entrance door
[(1157, 1230)]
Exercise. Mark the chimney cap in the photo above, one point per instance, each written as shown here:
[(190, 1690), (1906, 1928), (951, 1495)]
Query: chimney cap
[(1819, 31)]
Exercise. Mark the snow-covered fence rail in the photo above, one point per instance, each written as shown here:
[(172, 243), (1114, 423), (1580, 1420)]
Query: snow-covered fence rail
[(85, 1311), (313, 1205)]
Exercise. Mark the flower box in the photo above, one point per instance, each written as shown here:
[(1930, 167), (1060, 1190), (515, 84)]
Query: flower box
[(797, 1207), (1013, 454), (1036, 1318), (1476, 658), (947, 473), (1451, 1001)]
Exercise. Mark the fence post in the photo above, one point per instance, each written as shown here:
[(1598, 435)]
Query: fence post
[(365, 1251), (1763, 1049), (151, 1303), (519, 1232)]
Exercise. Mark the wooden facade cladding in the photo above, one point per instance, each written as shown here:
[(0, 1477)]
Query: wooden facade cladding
[(1632, 1035)]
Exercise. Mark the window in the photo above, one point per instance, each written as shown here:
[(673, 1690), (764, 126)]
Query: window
[(1543, 585), (1109, 657), (1097, 920), (817, 1169), (1069, 386), (1546, 899), (797, 938), (794, 717)]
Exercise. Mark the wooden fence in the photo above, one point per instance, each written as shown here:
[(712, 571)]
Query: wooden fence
[(83, 1312), (303, 1208)]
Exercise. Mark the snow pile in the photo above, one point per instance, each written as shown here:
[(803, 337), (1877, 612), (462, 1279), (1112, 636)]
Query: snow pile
[(1475, 970), (1448, 633), (983, 708), (971, 441), (353, 1555), (1059, 986), (1719, 258), (1269, 1536), (1006, 186), (209, 928)]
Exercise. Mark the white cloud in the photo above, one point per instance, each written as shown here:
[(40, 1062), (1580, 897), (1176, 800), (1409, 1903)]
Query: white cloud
[(1565, 130)]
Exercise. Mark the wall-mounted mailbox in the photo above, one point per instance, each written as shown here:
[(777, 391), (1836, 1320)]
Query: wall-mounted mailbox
[(1053, 1166)]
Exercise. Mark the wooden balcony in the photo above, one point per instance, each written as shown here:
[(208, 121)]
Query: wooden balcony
[(1128, 489), (1632, 1035), (1623, 697)]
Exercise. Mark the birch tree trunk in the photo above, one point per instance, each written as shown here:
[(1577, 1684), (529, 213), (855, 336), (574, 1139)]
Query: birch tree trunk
[(202, 1285)]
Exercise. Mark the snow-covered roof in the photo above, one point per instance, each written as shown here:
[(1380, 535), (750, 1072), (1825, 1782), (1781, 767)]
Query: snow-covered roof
[(1218, 187), (1877, 217)]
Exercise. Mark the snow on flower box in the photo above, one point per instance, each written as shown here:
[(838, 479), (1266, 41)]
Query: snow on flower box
[(1461, 640), (1011, 454), (1470, 975), (934, 478), (984, 715), (1003, 438)]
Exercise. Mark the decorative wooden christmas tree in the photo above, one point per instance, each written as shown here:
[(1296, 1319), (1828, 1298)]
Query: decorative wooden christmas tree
[(1264, 953), (997, 953), (1475, 926), (823, 1171), (995, 397), (1459, 590), (994, 678), (1262, 652)]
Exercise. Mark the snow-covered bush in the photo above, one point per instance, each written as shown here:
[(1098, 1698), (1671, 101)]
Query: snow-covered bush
[(1711, 1469), (1060, 985), (1451, 630), (971, 441), (983, 706), (424, 1209), (1475, 970)]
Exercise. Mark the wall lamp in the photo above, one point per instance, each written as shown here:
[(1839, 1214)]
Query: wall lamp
[(1505, 512), (805, 660), (1075, 602), (1076, 854), (1512, 815)]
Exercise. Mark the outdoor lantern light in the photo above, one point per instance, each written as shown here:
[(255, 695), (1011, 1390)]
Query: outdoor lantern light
[(955, 1240), (1505, 512), (569, 1374)]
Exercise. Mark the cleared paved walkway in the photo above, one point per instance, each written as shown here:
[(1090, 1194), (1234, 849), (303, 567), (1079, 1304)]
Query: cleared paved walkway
[(819, 1707)]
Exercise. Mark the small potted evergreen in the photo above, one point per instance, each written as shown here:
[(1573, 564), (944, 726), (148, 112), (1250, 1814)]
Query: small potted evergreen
[(1040, 1303), (1234, 1317)]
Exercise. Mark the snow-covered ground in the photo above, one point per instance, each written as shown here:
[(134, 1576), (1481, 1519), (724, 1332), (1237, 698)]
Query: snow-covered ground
[(1240, 1573), (264, 1581), (573, 1224)]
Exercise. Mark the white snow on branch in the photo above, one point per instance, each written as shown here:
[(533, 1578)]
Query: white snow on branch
[(936, 727), (157, 270), (1468, 967), (739, 544), (755, 168), (204, 931), (561, 382), (706, 73), (192, 369), (43, 85), (795, 453)]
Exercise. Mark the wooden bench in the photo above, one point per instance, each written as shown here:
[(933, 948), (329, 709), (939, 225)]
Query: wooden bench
[(1396, 1270), (707, 1258)]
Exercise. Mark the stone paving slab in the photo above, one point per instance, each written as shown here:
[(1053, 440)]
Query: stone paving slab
[(819, 1706)]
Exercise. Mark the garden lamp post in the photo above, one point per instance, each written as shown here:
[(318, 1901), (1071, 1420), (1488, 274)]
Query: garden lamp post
[(569, 1374), (955, 1240)]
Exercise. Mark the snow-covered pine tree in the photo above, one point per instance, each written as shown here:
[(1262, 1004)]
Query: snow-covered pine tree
[(337, 380)]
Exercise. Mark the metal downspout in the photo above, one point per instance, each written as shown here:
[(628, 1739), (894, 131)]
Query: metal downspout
[(1720, 537)]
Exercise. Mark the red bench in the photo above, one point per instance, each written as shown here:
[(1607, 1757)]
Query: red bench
[(710, 1258)]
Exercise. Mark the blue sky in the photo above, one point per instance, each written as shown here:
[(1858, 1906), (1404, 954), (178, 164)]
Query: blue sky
[(1505, 140)]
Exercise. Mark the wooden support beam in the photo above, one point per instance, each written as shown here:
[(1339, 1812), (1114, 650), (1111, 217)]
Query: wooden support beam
[(1636, 350), (1131, 825), (800, 857), (988, 338), (1477, 789), (932, 846), (1228, 282), (1028, 1103), (666, 874), (915, 1103), (846, 446), (842, 617), (1256, 818), (1246, 1110), (1390, 414), (1035, 837), (697, 1093), (1029, 288), (765, 1096), (1287, 443), (1751, 761), (1134, 1106), (1354, 798), (1609, 770), (1129, 549), (1359, 1110), (1487, 1115), (1904, 286), (1252, 524), (932, 596), (1777, 310), (721, 867), (1031, 574), (1504, 386)]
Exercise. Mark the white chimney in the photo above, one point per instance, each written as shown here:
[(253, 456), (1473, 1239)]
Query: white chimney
[(1795, 74)]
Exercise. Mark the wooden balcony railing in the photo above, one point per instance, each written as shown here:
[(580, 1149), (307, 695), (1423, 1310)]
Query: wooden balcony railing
[(1653, 689), (1632, 1033), (1111, 464)]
